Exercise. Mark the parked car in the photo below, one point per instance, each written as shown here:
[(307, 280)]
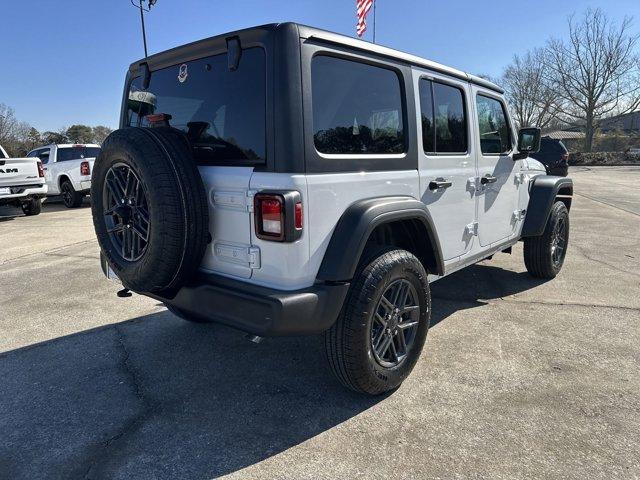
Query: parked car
[(68, 170), (634, 151), (22, 183), (285, 180), (554, 156)]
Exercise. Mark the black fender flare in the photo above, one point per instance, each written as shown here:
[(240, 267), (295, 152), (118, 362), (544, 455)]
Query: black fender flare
[(542, 195), (355, 226)]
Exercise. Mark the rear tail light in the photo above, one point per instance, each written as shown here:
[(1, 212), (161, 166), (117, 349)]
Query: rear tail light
[(278, 216), (40, 170), (85, 169)]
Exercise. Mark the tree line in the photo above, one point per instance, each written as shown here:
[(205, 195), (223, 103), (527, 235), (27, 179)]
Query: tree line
[(592, 75), (18, 138)]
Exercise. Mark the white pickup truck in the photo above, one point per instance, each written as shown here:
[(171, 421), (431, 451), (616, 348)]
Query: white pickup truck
[(68, 170), (22, 183)]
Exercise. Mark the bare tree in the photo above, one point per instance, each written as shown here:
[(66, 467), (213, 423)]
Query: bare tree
[(596, 72), (532, 100), (8, 123)]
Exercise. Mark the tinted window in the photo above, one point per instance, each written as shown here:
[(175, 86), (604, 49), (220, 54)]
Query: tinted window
[(66, 154), (495, 136), (426, 113), (444, 123), (357, 108), (33, 153), (222, 111)]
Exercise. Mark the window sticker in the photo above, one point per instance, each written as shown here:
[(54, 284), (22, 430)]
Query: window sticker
[(183, 73)]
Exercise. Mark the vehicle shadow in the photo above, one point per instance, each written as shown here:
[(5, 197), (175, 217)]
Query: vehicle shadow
[(54, 204), (157, 397)]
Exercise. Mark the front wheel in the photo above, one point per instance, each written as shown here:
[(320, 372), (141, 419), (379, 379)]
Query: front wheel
[(544, 255), (70, 197), (32, 207), (378, 338)]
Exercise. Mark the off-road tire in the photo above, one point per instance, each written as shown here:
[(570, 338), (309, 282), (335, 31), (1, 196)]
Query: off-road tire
[(32, 207), (347, 343), (70, 197), (538, 251), (177, 202)]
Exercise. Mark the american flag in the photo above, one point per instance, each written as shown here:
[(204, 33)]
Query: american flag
[(362, 8)]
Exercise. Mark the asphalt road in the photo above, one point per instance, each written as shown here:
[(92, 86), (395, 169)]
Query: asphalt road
[(519, 378)]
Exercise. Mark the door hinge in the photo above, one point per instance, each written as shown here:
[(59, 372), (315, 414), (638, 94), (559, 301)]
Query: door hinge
[(472, 229), (249, 200), (520, 178), (240, 255), (253, 255)]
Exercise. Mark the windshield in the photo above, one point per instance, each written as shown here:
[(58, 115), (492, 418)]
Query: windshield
[(76, 153), (222, 111)]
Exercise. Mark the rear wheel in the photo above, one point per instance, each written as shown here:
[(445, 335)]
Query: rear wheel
[(544, 255), (32, 207), (378, 338), (70, 197)]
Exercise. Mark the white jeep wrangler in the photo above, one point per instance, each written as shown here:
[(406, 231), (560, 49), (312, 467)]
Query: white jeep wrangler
[(285, 180)]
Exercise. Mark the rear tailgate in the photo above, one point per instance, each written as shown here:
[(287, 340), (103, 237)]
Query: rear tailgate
[(19, 171)]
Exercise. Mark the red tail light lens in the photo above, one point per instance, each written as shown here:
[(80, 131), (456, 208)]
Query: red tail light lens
[(40, 170), (269, 216), (278, 216), (299, 216), (85, 169)]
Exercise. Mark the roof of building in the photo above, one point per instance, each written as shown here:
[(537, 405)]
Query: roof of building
[(565, 135), (627, 122)]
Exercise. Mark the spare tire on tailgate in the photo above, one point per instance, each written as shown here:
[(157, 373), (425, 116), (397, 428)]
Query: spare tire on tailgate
[(149, 208)]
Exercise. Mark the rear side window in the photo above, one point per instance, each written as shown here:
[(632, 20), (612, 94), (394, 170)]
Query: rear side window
[(222, 111), (444, 121), (357, 108), (66, 154), (495, 133)]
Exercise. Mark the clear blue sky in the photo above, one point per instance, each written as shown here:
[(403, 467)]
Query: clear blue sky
[(64, 61)]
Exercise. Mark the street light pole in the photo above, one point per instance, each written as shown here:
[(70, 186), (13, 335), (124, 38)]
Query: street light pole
[(144, 33)]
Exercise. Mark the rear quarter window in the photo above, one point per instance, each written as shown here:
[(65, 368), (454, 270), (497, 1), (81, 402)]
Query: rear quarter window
[(357, 108)]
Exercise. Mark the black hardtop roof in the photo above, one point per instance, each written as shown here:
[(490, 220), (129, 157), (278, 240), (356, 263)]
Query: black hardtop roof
[(325, 36)]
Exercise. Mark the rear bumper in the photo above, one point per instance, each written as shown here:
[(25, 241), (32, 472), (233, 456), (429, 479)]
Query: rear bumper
[(260, 310), (20, 193), (558, 170)]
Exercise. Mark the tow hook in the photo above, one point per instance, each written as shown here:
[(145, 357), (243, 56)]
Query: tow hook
[(124, 293)]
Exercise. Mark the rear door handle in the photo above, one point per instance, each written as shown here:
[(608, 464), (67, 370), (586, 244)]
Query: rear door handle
[(488, 179), (439, 183)]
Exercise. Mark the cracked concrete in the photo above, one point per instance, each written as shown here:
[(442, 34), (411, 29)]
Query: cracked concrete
[(519, 378)]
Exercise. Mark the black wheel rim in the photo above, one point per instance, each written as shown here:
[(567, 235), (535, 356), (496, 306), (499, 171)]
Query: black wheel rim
[(395, 323), (126, 212), (559, 242), (67, 195)]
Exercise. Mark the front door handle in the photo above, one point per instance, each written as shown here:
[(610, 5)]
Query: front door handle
[(439, 183), (488, 179)]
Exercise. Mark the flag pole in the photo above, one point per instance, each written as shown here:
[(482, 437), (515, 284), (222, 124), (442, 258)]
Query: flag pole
[(374, 21)]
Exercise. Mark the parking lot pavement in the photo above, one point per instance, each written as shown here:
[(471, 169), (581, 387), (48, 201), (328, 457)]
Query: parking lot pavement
[(519, 378)]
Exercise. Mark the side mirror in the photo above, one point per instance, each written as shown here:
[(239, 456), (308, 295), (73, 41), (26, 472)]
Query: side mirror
[(528, 142)]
